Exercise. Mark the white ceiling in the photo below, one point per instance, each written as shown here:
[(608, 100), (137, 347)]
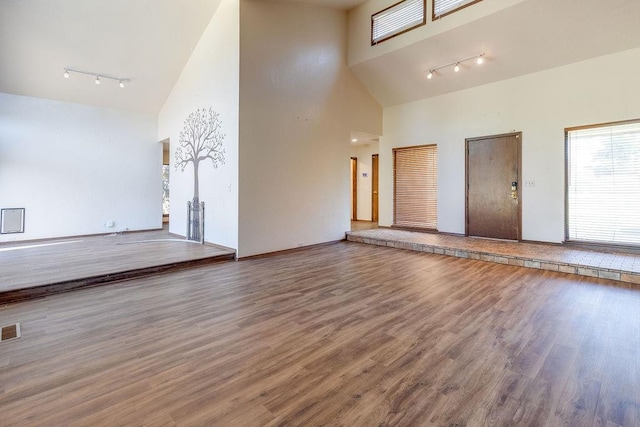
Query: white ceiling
[(148, 41), (363, 138), (334, 4), (530, 36)]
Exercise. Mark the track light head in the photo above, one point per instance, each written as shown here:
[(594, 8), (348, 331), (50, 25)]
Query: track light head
[(480, 59), (66, 74), (97, 80), (457, 67), (121, 83), (430, 75)]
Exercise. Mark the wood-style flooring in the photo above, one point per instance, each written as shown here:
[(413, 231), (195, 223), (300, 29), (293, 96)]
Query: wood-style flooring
[(344, 334), (35, 269)]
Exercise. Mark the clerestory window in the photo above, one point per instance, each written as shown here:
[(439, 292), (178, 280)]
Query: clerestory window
[(397, 19)]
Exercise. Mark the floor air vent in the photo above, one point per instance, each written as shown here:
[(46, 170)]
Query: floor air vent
[(10, 332)]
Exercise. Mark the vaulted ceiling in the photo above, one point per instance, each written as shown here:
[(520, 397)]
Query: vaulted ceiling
[(150, 41), (530, 36), (334, 4)]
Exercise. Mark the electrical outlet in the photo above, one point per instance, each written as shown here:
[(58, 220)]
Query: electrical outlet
[(530, 183)]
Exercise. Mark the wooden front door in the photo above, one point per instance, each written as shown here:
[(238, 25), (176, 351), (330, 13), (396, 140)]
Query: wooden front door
[(374, 188), (493, 187)]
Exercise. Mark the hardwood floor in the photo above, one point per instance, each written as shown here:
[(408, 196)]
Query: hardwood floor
[(35, 269), (345, 334)]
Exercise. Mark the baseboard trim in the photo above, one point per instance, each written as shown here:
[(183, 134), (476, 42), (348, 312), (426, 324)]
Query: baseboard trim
[(289, 251), (76, 236)]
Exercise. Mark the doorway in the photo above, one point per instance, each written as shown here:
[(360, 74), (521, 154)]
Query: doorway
[(374, 188), (165, 182), (493, 208), (354, 189)]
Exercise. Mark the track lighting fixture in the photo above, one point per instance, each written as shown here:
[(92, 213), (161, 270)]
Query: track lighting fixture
[(98, 76), (456, 65)]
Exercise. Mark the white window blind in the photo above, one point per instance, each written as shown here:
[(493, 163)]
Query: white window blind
[(442, 7), (415, 187), (603, 184), (397, 19)]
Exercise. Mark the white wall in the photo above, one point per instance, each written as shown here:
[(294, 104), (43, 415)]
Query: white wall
[(363, 153), (541, 105), (298, 105), (210, 79), (75, 167)]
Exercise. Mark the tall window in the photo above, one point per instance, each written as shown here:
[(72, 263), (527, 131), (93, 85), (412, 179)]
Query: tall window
[(397, 19), (445, 7), (603, 183), (415, 192)]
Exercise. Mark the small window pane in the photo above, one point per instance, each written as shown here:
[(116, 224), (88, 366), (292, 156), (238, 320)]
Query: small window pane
[(397, 19), (444, 7)]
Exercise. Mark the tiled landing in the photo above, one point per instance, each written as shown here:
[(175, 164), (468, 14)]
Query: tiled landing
[(623, 267)]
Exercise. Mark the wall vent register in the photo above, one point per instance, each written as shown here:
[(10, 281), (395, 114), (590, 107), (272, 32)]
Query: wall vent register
[(12, 220), (10, 332)]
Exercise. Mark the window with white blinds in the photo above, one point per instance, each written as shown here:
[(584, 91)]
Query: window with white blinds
[(603, 183), (415, 191), (394, 20), (445, 7)]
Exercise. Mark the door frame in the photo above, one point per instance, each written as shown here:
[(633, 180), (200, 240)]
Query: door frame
[(375, 190), (518, 136), (354, 188)]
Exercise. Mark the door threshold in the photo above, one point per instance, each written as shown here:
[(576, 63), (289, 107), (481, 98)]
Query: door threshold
[(494, 238)]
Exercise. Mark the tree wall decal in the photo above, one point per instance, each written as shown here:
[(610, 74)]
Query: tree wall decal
[(200, 140)]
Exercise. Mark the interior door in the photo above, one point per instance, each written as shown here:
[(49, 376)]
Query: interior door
[(493, 187), (374, 188), (354, 189)]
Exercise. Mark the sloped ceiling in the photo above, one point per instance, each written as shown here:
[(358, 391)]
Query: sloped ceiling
[(148, 41), (531, 36), (334, 4)]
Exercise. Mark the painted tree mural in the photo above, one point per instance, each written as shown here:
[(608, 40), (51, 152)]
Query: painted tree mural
[(200, 140)]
